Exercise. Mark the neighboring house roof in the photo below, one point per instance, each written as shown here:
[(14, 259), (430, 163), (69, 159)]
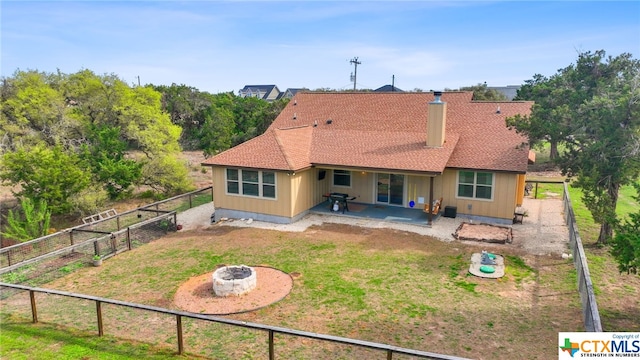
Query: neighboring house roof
[(386, 88), (265, 92), (291, 92), (384, 132)]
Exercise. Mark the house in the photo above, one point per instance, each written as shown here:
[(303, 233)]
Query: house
[(386, 88), (510, 91), (264, 92), (391, 148), (291, 92)]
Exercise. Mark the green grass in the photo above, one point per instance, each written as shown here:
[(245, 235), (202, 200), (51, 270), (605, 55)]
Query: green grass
[(407, 290), (24, 340)]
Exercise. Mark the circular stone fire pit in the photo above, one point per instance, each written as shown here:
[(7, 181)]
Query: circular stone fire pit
[(234, 280)]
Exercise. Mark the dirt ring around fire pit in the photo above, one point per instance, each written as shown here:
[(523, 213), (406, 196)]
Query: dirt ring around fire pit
[(196, 294)]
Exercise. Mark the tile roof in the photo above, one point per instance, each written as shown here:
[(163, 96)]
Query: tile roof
[(384, 131)]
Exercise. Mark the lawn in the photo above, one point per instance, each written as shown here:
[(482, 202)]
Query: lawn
[(617, 295), (378, 285)]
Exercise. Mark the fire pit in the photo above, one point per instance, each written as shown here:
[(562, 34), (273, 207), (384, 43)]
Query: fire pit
[(234, 280)]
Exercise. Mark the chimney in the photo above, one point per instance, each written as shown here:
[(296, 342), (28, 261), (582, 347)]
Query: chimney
[(436, 121)]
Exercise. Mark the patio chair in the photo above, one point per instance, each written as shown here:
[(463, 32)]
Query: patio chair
[(436, 207)]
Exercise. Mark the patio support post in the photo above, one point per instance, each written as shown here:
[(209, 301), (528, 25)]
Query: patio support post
[(430, 214)]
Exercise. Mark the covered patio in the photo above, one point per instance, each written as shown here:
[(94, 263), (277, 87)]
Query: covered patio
[(413, 216)]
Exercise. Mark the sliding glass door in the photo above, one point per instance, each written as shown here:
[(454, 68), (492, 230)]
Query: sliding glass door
[(390, 189)]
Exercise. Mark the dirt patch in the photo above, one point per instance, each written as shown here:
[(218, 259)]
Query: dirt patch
[(196, 294), (484, 233)]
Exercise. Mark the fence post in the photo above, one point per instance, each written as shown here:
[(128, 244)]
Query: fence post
[(190, 202), (179, 329), (96, 248), (99, 315), (129, 238), (118, 222), (34, 310), (272, 354), (389, 354), (114, 244)]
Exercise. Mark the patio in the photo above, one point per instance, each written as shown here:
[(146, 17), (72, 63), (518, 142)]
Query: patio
[(403, 215)]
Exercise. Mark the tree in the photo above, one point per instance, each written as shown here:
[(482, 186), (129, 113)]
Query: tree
[(33, 111), (48, 174), (593, 108), (603, 149), (106, 102), (482, 92), (625, 246), (30, 223), (186, 106), (216, 134), (547, 121), (106, 155)]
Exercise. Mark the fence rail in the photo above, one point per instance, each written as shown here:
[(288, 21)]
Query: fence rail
[(390, 350), (590, 314), (22, 252)]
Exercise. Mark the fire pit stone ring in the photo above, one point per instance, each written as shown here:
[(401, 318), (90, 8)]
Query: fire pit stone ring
[(234, 280)]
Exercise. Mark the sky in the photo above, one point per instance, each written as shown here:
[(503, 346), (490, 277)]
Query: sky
[(221, 46)]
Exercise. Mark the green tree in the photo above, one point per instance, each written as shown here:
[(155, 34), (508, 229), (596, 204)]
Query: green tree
[(548, 120), (625, 246), (216, 134), (186, 106), (107, 102), (603, 148), (106, 155), (482, 92), (166, 174), (33, 111), (31, 222), (48, 174), (593, 108)]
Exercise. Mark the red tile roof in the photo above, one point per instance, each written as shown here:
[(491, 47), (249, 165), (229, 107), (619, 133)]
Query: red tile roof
[(384, 131)]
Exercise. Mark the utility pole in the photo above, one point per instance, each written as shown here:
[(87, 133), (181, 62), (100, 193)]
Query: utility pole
[(355, 62)]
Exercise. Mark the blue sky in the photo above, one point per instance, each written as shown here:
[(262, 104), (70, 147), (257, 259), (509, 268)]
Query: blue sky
[(219, 46)]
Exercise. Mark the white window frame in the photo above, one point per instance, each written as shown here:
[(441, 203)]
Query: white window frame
[(260, 183), (476, 185), (346, 173)]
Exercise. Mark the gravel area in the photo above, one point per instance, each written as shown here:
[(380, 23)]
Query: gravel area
[(542, 232)]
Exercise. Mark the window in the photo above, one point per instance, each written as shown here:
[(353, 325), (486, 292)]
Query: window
[(342, 178), (475, 185), (251, 183), (269, 184), (232, 181)]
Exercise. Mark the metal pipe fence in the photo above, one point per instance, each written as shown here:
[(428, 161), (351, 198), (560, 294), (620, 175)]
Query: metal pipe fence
[(268, 330)]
